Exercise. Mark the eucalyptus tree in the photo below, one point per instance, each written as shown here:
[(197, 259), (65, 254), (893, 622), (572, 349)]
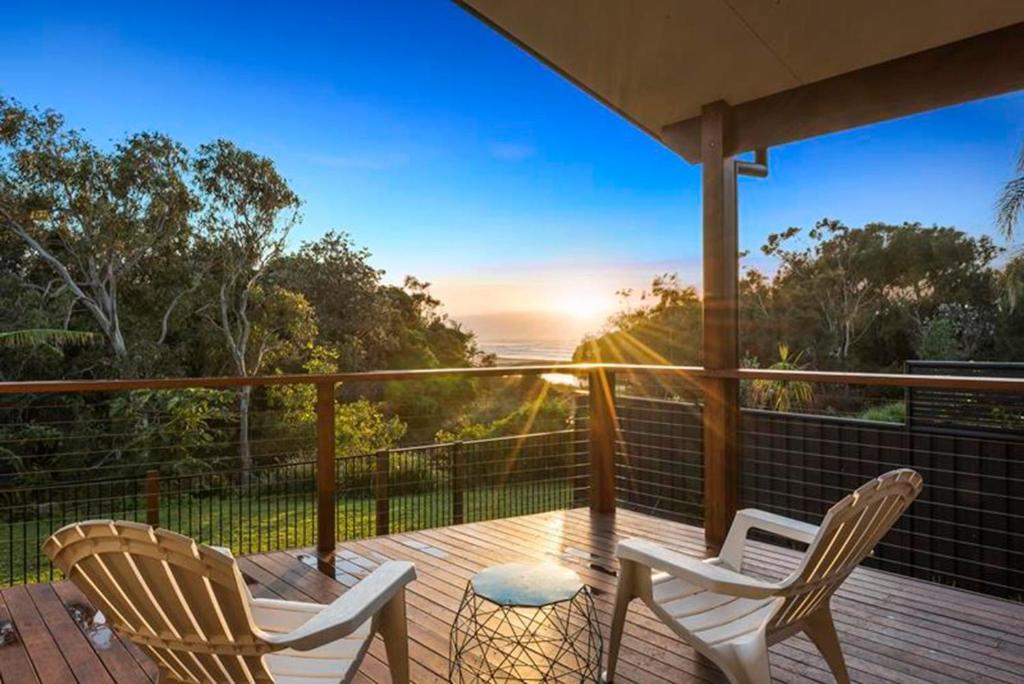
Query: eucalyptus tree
[(246, 211), (345, 290), (95, 218)]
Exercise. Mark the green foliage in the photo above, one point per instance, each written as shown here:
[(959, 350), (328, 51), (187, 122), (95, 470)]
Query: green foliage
[(500, 461), (361, 426), (782, 395), (664, 328), (176, 431), (1010, 206), (176, 260), (336, 278), (543, 415), (892, 412), (38, 337), (857, 299), (96, 220), (938, 340)]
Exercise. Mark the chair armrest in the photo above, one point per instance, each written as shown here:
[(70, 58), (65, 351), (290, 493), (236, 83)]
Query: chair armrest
[(752, 518), (709, 576), (351, 609)]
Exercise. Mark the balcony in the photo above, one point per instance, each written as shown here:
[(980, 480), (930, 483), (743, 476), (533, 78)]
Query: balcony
[(938, 601)]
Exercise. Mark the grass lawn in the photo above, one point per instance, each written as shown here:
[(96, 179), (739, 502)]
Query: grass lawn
[(270, 520)]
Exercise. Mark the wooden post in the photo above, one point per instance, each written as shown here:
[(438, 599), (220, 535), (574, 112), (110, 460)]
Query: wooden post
[(380, 489), (326, 469), (603, 430), (153, 498), (721, 324), (458, 485)]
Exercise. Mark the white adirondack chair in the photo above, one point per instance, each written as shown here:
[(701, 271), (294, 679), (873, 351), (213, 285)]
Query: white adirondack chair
[(187, 606), (733, 618)]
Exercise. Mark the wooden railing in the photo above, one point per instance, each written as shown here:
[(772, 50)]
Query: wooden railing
[(602, 425)]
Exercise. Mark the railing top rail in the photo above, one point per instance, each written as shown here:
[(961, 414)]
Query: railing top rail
[(691, 373), (949, 382), (59, 386)]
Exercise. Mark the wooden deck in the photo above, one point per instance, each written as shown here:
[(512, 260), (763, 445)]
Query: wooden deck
[(893, 629)]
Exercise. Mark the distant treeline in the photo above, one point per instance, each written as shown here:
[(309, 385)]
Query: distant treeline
[(842, 298)]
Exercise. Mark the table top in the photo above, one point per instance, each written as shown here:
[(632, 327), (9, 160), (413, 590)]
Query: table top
[(526, 584)]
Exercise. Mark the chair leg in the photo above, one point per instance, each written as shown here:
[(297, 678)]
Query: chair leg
[(822, 631), (747, 662), (393, 629), (625, 591)]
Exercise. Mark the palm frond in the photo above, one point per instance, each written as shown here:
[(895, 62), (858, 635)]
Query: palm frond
[(37, 337), (1010, 207)]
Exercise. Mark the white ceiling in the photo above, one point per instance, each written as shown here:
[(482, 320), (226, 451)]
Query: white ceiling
[(658, 61)]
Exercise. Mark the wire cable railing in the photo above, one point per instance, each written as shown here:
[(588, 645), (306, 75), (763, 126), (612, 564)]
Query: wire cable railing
[(137, 450)]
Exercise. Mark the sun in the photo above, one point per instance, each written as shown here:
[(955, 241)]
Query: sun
[(580, 304)]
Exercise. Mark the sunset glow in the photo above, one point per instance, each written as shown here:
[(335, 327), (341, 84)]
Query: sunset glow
[(583, 304)]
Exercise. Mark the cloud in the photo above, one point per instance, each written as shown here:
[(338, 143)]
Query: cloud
[(361, 161), (509, 151)]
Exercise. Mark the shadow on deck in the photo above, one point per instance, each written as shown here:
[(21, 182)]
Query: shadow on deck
[(892, 628)]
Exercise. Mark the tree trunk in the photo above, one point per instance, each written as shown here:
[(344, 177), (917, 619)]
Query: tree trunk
[(244, 449)]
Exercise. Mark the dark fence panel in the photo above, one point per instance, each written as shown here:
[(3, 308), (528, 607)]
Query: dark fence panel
[(966, 529), (959, 411), (659, 459)]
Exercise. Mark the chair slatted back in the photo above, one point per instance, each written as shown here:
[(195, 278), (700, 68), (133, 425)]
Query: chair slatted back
[(848, 533), (183, 603)]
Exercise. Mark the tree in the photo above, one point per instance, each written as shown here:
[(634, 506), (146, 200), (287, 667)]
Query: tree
[(246, 212), (94, 218), (858, 297), (337, 280), (834, 277), (850, 298), (664, 328), (361, 427)]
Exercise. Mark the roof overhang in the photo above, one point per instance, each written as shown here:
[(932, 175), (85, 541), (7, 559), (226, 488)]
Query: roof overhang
[(790, 69)]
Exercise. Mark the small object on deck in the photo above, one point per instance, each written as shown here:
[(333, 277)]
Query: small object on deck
[(92, 623), (8, 634), (527, 623)]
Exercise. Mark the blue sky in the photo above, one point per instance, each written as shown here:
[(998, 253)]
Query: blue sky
[(452, 155)]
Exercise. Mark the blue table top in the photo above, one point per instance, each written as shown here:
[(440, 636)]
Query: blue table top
[(526, 584)]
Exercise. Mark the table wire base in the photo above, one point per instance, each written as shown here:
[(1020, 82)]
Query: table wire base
[(558, 642)]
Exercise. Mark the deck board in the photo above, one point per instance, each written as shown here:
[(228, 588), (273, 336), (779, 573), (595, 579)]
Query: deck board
[(892, 628)]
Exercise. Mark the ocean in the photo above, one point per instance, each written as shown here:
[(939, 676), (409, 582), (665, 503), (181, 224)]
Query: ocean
[(534, 350)]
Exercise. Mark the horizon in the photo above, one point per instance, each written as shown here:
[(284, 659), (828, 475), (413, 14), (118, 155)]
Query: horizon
[(498, 191)]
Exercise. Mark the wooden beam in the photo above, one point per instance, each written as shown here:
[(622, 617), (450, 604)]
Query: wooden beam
[(153, 498), (982, 66), (326, 469), (381, 491), (720, 416), (603, 429)]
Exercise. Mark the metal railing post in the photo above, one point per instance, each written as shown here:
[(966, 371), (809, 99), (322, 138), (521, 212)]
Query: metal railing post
[(458, 484), (326, 469), (603, 430)]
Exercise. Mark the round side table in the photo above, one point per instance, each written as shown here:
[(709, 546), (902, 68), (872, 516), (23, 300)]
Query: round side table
[(526, 623)]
